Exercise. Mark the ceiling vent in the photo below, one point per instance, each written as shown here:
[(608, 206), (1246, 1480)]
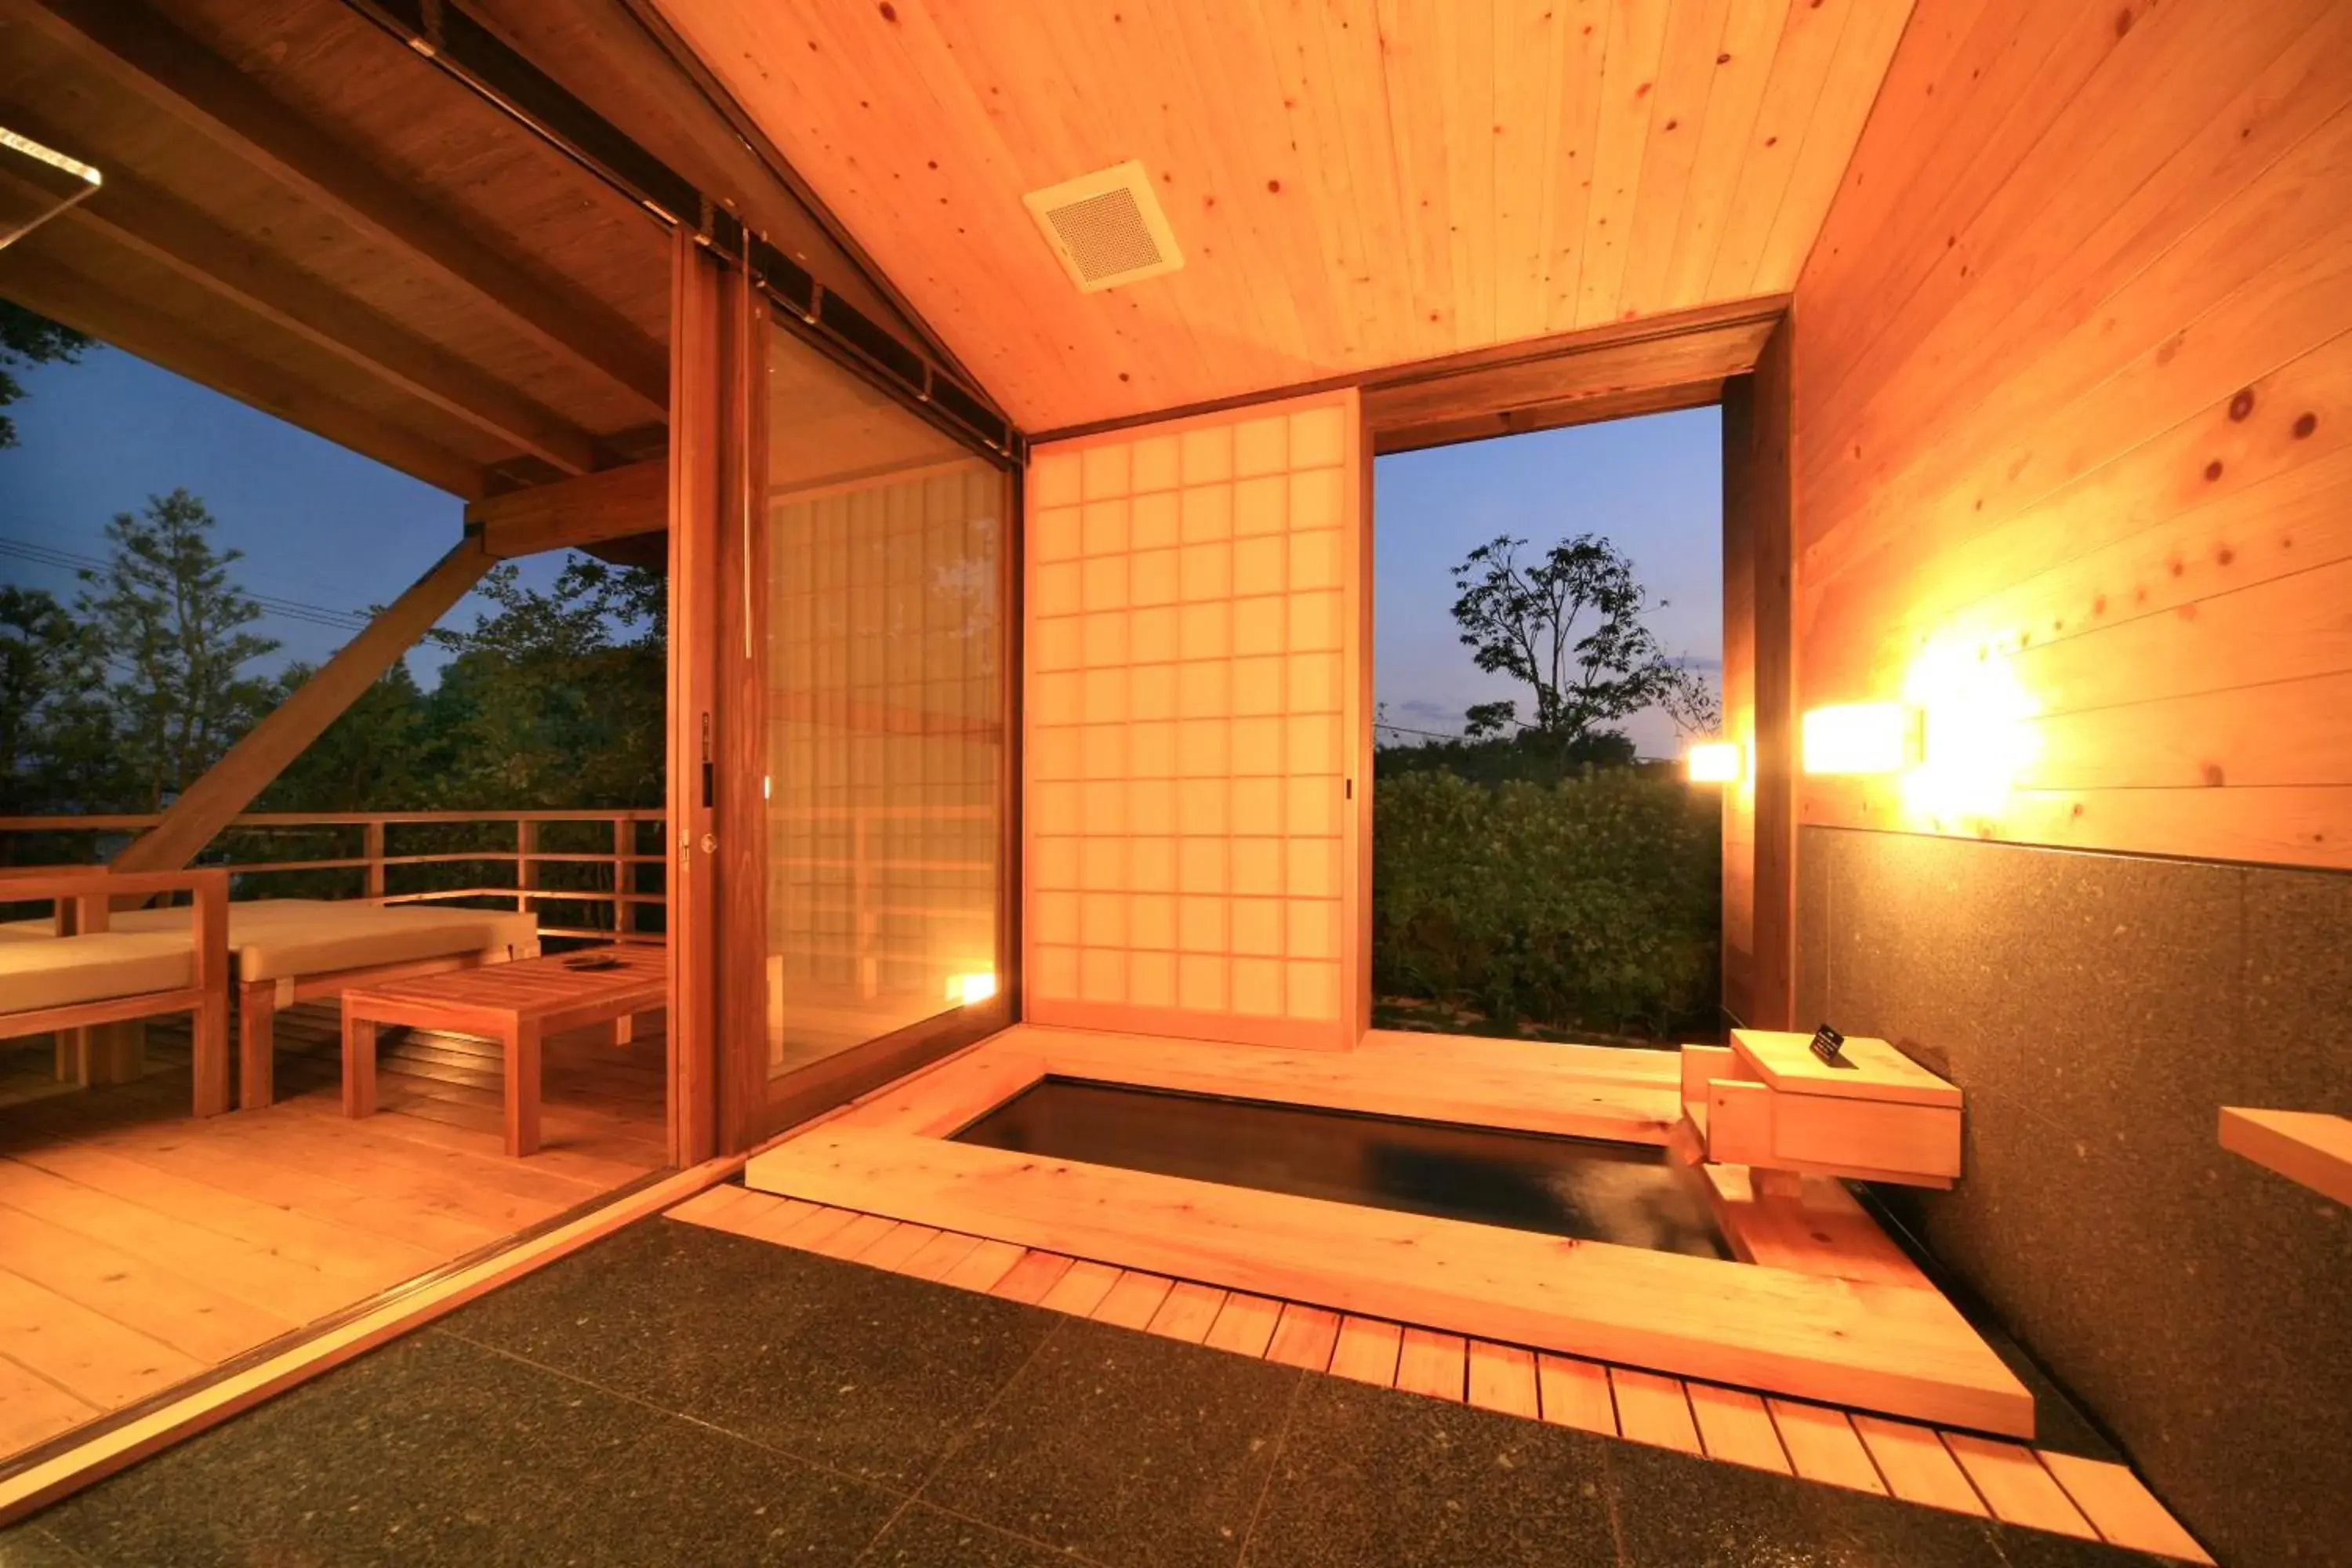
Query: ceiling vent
[(1107, 227)]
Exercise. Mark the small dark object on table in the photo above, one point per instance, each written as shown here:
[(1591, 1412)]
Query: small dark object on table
[(592, 961), (1830, 1046)]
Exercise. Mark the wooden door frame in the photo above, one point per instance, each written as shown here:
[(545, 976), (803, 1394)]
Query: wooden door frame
[(1759, 654), (696, 422), (731, 655), (1734, 356)]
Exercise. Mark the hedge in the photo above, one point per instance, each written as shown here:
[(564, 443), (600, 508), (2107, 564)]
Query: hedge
[(1591, 905)]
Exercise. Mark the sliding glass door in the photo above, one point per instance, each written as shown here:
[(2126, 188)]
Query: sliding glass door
[(883, 565)]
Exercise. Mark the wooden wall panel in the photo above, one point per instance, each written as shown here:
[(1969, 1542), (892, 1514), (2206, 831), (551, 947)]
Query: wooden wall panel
[(2075, 384), (1193, 637)]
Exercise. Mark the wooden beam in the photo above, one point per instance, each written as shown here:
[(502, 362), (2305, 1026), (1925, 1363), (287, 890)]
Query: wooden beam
[(162, 62), (1575, 410), (618, 503), (1759, 689), (1904, 1351), (229, 785), (66, 294), (1623, 372), (249, 276), (1627, 343)]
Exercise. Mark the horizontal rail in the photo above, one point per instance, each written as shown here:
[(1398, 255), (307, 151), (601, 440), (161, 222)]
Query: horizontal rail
[(116, 822)]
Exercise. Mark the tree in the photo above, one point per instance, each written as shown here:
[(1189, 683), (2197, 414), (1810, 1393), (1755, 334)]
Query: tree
[(1569, 626), (558, 699), (56, 744), (369, 759), (172, 624), (1691, 702), (27, 339)]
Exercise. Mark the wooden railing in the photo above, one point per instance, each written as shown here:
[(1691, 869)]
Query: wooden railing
[(611, 878)]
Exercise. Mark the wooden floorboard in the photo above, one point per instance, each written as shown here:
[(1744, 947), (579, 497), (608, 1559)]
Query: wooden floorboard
[(139, 1247), (1898, 1349)]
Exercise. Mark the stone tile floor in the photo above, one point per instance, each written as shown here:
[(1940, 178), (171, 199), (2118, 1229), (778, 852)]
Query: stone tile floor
[(680, 1395)]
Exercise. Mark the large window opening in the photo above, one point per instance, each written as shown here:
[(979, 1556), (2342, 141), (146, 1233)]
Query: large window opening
[(1547, 629)]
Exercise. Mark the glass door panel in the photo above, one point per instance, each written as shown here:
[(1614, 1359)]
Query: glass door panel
[(885, 708)]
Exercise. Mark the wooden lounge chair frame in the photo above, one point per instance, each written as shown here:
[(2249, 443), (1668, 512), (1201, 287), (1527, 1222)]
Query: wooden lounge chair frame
[(82, 898)]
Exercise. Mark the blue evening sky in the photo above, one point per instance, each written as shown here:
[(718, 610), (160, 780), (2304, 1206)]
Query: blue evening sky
[(1653, 485), (319, 523), (324, 526)]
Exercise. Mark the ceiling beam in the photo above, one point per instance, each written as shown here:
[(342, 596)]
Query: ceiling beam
[(592, 509), (164, 230), (164, 64), (64, 294)]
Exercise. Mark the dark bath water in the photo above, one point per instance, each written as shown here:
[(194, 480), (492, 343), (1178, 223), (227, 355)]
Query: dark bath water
[(1622, 1192)]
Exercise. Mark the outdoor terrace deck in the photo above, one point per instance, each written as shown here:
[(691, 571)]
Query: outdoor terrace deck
[(139, 1248)]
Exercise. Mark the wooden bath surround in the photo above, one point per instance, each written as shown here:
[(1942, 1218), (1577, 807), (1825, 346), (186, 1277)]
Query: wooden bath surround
[(1822, 1305)]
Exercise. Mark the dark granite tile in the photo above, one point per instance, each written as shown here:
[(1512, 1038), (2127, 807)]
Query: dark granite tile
[(2043, 1549), (2298, 983), (869, 1371), (436, 1451), (923, 1535), (2098, 1009), (1367, 1475), (1816, 910), (1126, 1447), (31, 1546), (1675, 1510)]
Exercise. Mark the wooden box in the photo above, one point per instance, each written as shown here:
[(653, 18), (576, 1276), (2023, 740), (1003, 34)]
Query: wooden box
[(1767, 1102)]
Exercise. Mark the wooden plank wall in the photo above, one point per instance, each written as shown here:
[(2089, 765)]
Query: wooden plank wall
[(2074, 384)]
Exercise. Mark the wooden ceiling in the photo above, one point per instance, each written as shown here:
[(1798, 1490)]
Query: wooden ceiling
[(1354, 185), (300, 213)]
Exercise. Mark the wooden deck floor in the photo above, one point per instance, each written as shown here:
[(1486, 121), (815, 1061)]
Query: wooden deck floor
[(1967, 1472), (139, 1247)]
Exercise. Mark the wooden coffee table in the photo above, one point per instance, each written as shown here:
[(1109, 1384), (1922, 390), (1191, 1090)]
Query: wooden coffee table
[(516, 1005)]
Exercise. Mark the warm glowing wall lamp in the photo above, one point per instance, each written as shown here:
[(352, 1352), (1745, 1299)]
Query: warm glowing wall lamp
[(1861, 738), (1715, 762)]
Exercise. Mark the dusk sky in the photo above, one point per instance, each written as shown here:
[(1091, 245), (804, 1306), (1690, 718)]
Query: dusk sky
[(321, 525), (1653, 485)]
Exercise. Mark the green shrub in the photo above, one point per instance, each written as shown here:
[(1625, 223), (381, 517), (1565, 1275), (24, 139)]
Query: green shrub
[(1591, 904)]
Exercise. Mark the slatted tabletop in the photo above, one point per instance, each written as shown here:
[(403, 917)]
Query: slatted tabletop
[(516, 1005)]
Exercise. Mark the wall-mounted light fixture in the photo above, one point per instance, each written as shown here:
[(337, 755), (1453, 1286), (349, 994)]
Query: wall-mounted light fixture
[(1715, 762), (88, 178), (1861, 738)]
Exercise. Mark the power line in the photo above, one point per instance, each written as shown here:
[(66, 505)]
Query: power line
[(286, 609)]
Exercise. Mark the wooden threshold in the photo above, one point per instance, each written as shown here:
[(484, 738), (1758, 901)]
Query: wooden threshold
[(1819, 1443)]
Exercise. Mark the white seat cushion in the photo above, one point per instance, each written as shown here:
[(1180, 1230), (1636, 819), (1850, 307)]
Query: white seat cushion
[(277, 938), (63, 970)]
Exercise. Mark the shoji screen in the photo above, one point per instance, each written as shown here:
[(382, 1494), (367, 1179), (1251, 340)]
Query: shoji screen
[(1193, 701)]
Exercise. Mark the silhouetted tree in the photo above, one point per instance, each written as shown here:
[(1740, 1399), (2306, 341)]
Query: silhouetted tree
[(1569, 626), (172, 626), (29, 338)]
